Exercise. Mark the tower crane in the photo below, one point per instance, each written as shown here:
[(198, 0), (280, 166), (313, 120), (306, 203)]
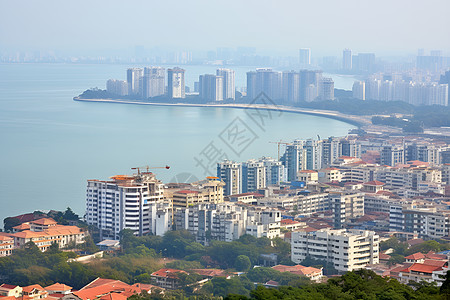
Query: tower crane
[(148, 168), (279, 143)]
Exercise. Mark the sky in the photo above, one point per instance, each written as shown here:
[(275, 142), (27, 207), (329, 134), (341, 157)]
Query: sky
[(325, 26)]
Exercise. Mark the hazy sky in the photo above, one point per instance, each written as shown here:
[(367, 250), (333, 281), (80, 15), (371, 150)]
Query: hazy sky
[(326, 26)]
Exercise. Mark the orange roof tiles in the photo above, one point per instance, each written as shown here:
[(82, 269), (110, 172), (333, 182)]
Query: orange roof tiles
[(288, 221), (23, 226), (374, 182), (297, 269), (421, 268), (415, 256), (102, 281), (210, 272), (44, 221), (30, 288), (171, 273), (58, 287), (187, 192)]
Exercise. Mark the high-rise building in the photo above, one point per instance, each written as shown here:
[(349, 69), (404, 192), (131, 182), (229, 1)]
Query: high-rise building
[(229, 89), (134, 78), (309, 84), (345, 249), (175, 83), (117, 87), (359, 90), (291, 86), (330, 151), (326, 89), (211, 87), (347, 59), (364, 63), (125, 202), (251, 85), (153, 82), (264, 80), (305, 57), (275, 171), (294, 159), (253, 176), (373, 89), (231, 173)]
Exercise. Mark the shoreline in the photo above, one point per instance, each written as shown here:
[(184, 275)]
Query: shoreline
[(358, 121)]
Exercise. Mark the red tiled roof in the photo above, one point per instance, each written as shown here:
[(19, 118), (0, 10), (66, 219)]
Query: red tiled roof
[(44, 221), (415, 256), (374, 182), (434, 262), (8, 286), (210, 272), (103, 281), (413, 242), (113, 296), (22, 226), (58, 287), (186, 192), (171, 273), (417, 267), (384, 256), (307, 171), (288, 221), (247, 194), (433, 255), (28, 289), (297, 269)]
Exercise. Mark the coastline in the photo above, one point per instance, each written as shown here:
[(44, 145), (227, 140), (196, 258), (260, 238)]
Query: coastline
[(358, 121)]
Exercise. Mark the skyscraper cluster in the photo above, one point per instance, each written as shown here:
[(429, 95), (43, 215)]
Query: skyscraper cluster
[(251, 175), (398, 89), (290, 86), (149, 82), (217, 87)]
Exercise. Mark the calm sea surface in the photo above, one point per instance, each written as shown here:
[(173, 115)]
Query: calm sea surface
[(50, 145)]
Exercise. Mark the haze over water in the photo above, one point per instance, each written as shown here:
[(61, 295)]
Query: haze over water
[(50, 144)]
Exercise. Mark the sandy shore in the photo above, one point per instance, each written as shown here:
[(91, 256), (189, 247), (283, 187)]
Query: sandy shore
[(359, 121)]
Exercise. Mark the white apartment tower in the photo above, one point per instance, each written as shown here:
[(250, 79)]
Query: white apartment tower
[(253, 176), (125, 202), (359, 90), (211, 87), (134, 78), (175, 83), (305, 57), (229, 88), (231, 173), (347, 59), (153, 82), (347, 250)]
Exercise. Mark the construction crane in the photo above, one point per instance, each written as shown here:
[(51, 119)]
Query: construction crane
[(148, 168), (279, 143)]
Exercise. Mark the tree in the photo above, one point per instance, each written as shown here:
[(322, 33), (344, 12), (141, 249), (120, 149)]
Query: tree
[(242, 263)]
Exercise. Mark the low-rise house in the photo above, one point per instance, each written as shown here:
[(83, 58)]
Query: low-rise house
[(313, 274), (58, 288), (418, 272), (105, 289), (6, 245), (45, 232), (9, 290), (167, 278), (415, 258), (34, 291)]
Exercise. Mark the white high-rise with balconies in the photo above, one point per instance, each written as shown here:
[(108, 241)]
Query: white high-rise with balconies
[(347, 250), (125, 202), (229, 89)]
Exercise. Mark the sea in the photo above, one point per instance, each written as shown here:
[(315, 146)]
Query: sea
[(50, 145)]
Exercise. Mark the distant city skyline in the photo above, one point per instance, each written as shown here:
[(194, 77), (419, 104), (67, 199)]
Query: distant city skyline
[(326, 27)]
